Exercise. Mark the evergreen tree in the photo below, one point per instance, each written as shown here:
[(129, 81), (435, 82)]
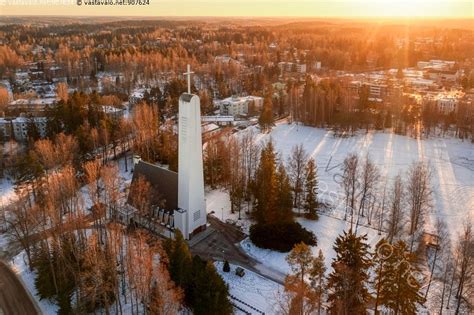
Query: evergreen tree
[(284, 200), (266, 186), (226, 267), (383, 250), (207, 292), (347, 283), (266, 116), (179, 259), (311, 187), (398, 289)]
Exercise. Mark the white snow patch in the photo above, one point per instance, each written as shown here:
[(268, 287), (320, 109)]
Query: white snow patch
[(20, 267), (252, 289)]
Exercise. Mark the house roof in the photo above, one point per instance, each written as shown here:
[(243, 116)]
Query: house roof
[(163, 181)]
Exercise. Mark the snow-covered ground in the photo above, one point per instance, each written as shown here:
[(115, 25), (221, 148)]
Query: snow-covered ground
[(7, 192), (18, 263), (252, 289), (20, 267), (451, 162), (326, 230)]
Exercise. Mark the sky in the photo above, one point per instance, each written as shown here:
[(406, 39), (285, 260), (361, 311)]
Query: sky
[(248, 8)]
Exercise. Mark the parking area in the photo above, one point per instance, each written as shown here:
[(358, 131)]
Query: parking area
[(221, 243)]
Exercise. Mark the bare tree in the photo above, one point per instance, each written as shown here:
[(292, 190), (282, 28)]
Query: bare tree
[(98, 276), (140, 195), (47, 155), (22, 221), (465, 253), (92, 172), (62, 91), (297, 163), (125, 129), (350, 183), (166, 298), (250, 153), (419, 198), (395, 215), (111, 183), (146, 129), (237, 179), (441, 245), (448, 268), (66, 148), (369, 176)]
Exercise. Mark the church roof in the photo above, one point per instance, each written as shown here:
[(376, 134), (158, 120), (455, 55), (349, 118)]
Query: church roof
[(163, 181)]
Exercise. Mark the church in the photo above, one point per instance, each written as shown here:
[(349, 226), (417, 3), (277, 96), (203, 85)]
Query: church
[(184, 208)]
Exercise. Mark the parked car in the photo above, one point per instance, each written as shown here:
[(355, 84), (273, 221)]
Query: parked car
[(230, 221), (240, 271)]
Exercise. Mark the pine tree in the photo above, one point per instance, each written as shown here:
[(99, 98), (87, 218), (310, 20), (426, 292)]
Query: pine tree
[(266, 116), (347, 283), (179, 260), (266, 186), (311, 187), (399, 289), (205, 290), (284, 200), (383, 250), (226, 267), (207, 293)]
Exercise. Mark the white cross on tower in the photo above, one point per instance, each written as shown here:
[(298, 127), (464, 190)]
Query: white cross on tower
[(188, 74)]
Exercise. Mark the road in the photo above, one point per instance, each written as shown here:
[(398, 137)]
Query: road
[(223, 244), (13, 297)]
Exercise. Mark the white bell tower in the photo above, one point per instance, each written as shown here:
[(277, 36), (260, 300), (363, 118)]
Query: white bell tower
[(191, 215)]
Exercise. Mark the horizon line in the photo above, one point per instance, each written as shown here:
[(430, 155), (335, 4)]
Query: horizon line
[(395, 17)]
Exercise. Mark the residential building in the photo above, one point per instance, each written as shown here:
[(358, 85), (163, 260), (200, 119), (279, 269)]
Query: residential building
[(17, 128), (239, 106), (20, 127), (5, 129), (292, 67), (112, 111), (31, 106)]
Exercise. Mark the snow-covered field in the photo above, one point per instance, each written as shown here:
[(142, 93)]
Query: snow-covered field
[(451, 162)]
